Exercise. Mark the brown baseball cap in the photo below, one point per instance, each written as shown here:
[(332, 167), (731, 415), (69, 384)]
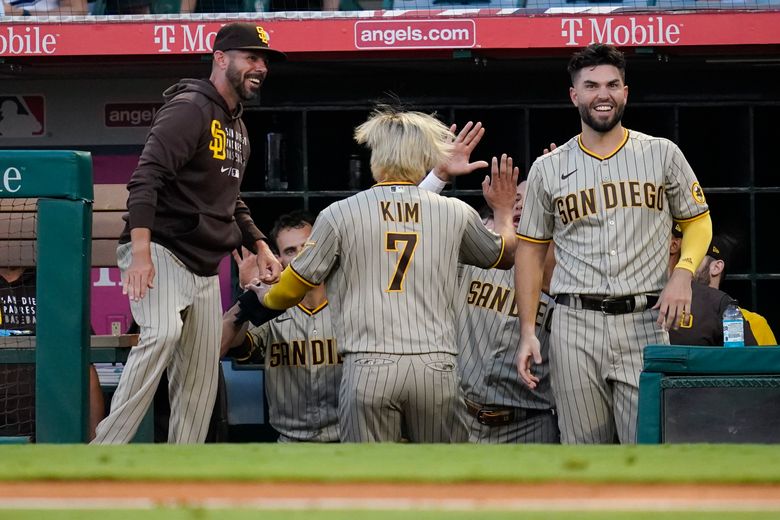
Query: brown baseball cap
[(676, 230), (246, 37), (722, 247)]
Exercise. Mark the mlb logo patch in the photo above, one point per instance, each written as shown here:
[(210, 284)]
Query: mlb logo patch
[(22, 116), (397, 189)]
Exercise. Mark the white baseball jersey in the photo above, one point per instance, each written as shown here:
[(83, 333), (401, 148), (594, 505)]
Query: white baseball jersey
[(610, 217), (302, 373), (489, 341), (389, 257)]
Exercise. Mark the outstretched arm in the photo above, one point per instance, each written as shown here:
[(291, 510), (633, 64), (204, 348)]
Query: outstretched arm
[(459, 162), (500, 190)]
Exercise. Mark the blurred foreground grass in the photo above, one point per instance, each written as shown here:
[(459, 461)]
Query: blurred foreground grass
[(394, 463)]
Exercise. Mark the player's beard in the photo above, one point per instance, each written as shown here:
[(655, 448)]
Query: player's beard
[(601, 125), (702, 275), (238, 82)]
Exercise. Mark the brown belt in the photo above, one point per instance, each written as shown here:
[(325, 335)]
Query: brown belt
[(499, 416)]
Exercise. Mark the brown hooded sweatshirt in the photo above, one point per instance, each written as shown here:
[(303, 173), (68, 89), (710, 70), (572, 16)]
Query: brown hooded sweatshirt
[(187, 182)]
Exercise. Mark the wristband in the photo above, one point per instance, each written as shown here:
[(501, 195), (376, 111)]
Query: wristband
[(250, 309)]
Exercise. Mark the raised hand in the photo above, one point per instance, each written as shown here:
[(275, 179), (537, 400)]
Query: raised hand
[(465, 142), (500, 189), (248, 270)]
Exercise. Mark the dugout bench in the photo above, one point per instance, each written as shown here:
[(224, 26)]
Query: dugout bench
[(709, 394)]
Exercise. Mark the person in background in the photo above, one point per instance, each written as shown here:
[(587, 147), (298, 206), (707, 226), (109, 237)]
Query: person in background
[(18, 310), (297, 348), (704, 324), (712, 271), (46, 8)]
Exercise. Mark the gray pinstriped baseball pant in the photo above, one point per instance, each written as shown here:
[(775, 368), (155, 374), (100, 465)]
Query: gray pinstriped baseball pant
[(595, 361), (180, 323), (386, 396)]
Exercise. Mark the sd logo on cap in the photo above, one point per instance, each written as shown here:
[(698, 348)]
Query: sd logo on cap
[(246, 37)]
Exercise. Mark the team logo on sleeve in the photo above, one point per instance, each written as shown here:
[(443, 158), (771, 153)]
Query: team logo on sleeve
[(306, 246), (698, 193)]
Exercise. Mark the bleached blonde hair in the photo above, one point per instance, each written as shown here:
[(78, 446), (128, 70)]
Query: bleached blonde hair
[(404, 145)]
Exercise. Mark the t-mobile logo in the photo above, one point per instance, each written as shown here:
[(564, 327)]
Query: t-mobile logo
[(164, 37), (571, 28)]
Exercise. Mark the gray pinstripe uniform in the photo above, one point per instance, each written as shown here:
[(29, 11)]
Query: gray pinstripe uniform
[(389, 259), (610, 219), (184, 311), (489, 340), (302, 373), (185, 190)]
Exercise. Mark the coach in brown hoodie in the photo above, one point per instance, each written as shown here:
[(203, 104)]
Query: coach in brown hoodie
[(184, 216)]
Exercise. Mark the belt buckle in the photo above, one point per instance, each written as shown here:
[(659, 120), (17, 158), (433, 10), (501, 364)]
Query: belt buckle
[(492, 417), (628, 305)]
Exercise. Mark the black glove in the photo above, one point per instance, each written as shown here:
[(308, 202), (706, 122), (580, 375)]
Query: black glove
[(250, 309)]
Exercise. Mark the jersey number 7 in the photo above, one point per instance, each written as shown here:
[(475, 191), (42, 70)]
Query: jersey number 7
[(404, 259)]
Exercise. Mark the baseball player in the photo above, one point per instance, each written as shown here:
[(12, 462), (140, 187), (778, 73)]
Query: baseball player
[(389, 259), (712, 271), (184, 216), (703, 325), (297, 348), (606, 198), (497, 406)]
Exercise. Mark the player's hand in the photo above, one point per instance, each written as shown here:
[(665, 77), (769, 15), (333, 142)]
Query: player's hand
[(674, 304), (530, 351), (139, 276), (500, 189), (268, 265), (458, 163), (248, 270), (552, 147)]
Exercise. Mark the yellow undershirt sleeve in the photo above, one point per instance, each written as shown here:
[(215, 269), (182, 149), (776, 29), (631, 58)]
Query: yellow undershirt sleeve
[(696, 238), (287, 292)]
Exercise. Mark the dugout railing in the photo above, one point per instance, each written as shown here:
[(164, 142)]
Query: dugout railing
[(690, 394), (61, 181)]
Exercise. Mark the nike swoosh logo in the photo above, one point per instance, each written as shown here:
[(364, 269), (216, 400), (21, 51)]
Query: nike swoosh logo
[(225, 169), (567, 175), (282, 318)]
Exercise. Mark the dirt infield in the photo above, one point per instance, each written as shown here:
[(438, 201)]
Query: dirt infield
[(477, 496)]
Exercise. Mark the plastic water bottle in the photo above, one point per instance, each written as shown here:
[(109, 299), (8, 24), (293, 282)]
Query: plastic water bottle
[(733, 328)]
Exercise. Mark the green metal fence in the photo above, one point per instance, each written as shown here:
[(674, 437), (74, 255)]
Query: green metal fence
[(62, 182)]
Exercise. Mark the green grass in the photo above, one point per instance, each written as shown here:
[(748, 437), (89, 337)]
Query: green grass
[(394, 463), (237, 514)]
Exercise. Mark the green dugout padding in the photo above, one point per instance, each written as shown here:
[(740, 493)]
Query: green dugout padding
[(46, 173), (62, 181), (669, 366)]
